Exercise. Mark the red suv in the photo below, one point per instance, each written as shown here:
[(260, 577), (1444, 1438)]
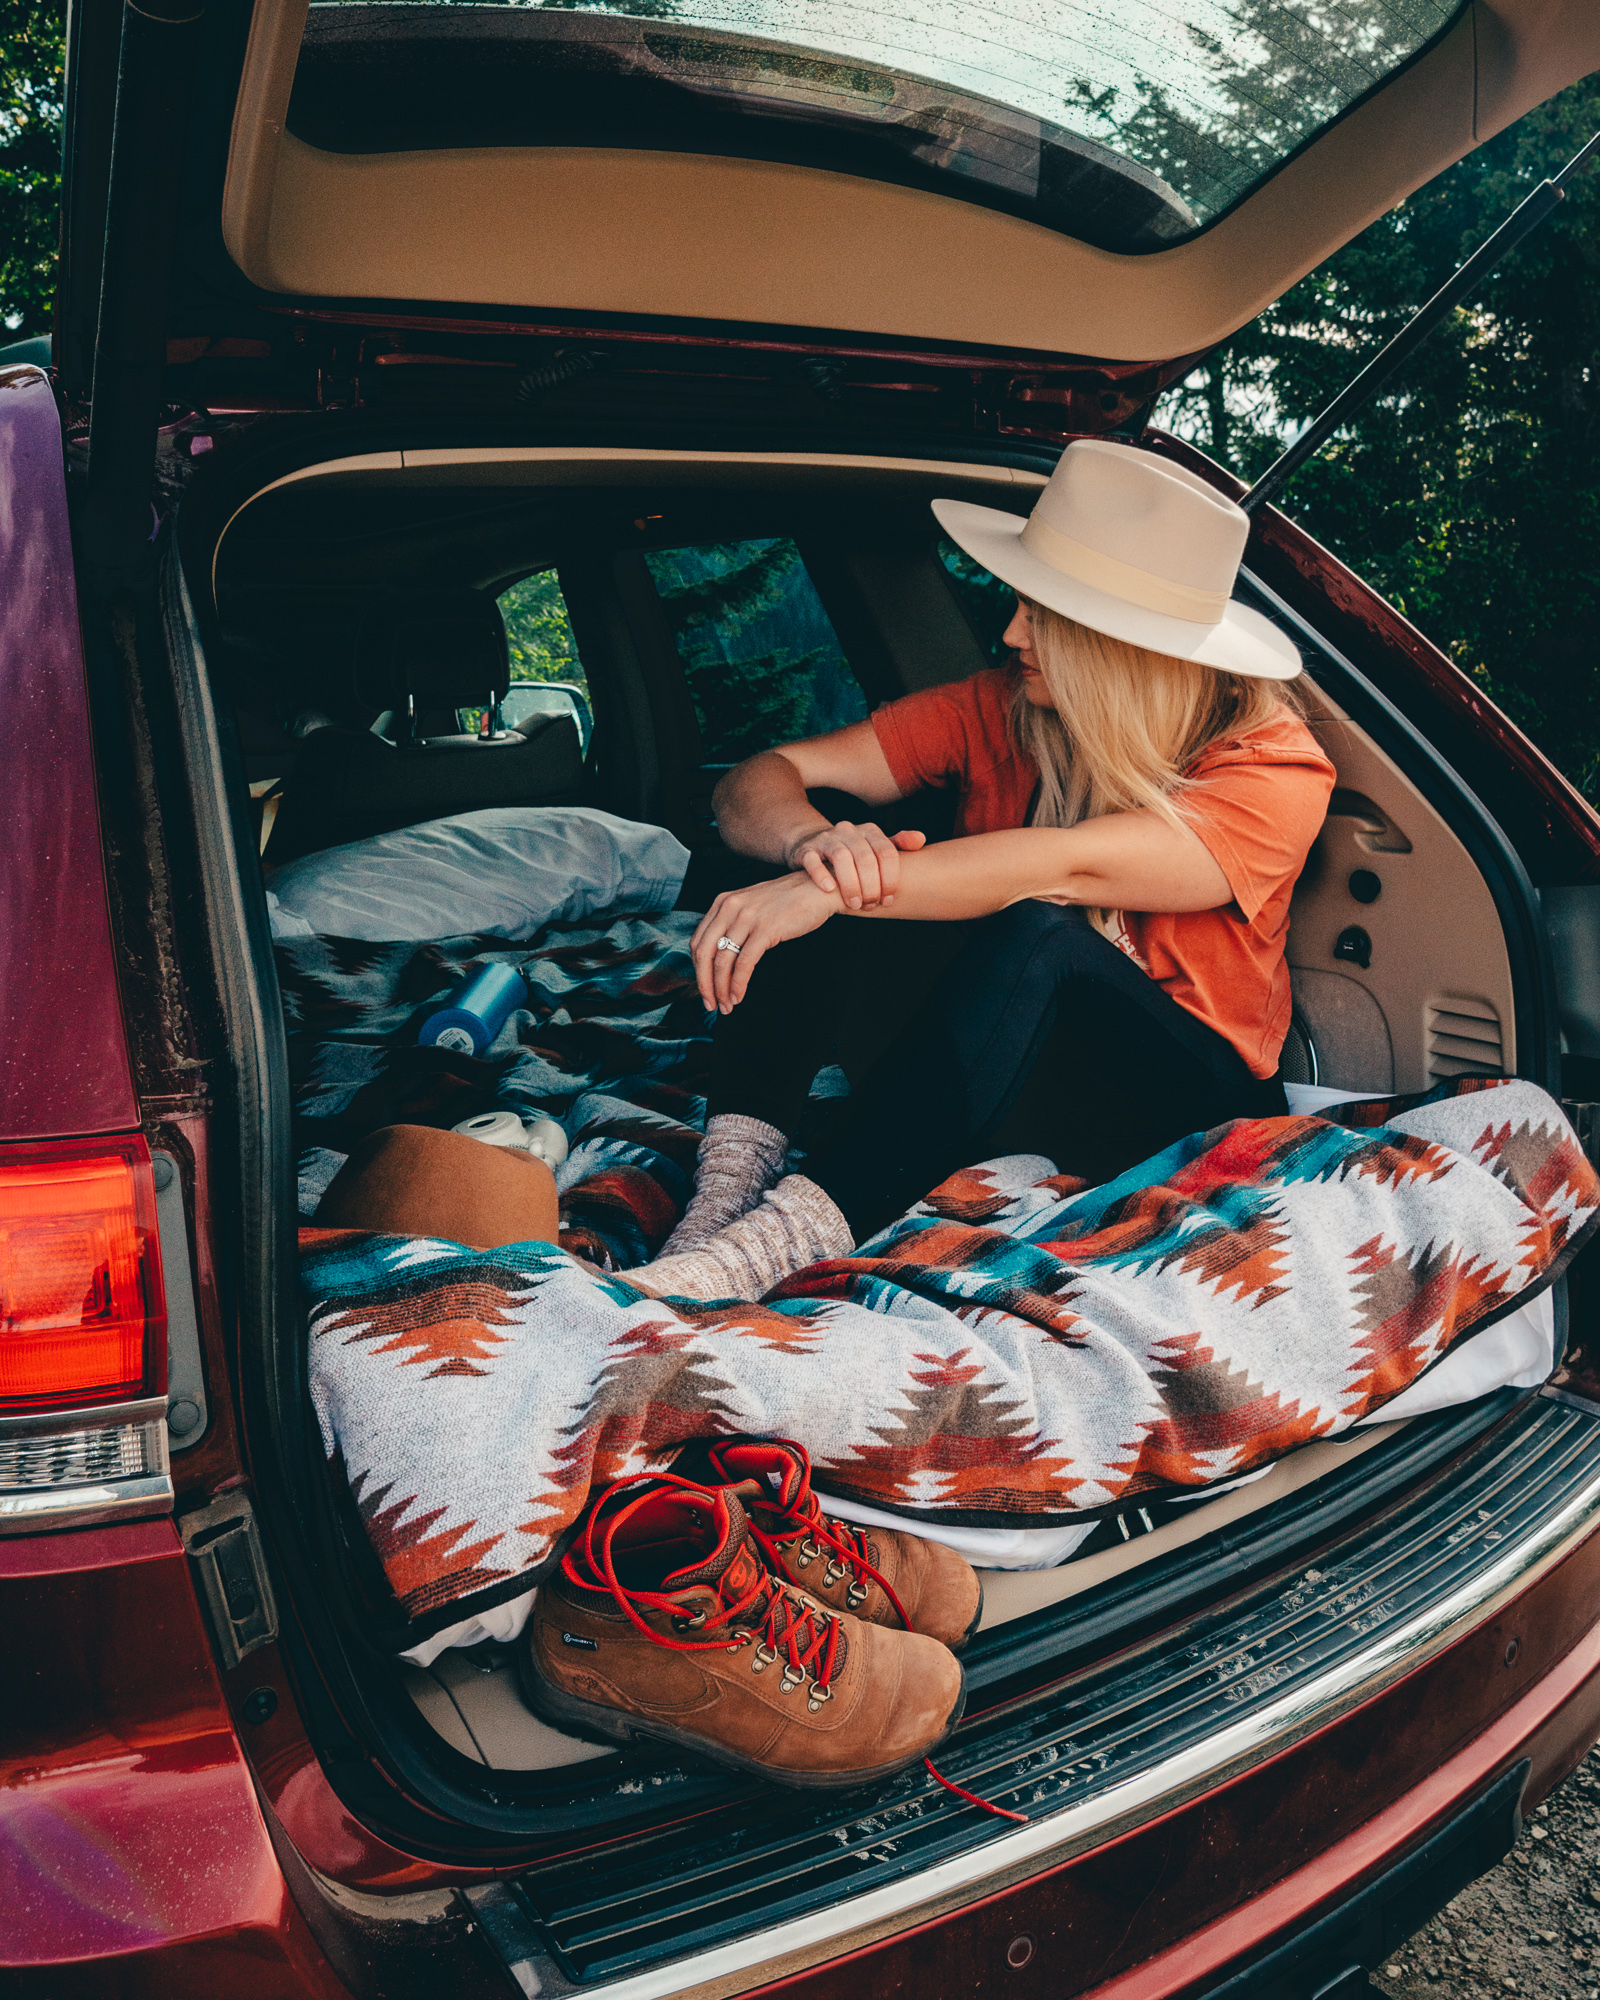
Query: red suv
[(522, 301)]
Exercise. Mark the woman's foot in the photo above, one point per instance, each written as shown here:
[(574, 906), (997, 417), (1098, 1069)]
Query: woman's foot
[(740, 1158), (794, 1225)]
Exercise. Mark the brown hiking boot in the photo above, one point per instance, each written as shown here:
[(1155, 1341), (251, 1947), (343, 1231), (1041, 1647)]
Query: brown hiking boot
[(876, 1574), (664, 1621)]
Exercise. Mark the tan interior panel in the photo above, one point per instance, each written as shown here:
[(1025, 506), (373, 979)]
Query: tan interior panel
[(1349, 1029), (482, 1714), (690, 236), (606, 465), (1436, 999)]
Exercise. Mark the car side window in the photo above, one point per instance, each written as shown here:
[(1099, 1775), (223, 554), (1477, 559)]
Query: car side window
[(760, 655), (547, 677), (989, 604)]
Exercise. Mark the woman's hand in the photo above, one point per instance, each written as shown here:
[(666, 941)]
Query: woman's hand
[(861, 863), (755, 919)]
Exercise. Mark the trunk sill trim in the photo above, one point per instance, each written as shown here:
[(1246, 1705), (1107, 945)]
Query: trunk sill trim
[(1013, 1856)]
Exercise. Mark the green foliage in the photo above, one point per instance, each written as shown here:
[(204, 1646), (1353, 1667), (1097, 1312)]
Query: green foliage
[(762, 660), (540, 635), (989, 604), (31, 60), (1466, 492), (1236, 104), (748, 705), (755, 581)]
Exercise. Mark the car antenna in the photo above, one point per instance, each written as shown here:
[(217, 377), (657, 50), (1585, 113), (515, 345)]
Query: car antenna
[(1526, 216)]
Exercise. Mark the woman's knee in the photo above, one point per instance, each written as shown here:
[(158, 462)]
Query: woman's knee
[(1032, 922), (1047, 941), (411, 1180)]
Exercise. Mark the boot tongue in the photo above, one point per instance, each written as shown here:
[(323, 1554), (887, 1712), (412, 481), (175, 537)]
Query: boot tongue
[(764, 1474), (733, 1567)]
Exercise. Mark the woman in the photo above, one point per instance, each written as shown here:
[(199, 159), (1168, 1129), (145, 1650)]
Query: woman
[(1137, 795)]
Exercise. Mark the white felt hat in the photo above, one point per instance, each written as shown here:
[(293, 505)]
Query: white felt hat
[(1135, 547)]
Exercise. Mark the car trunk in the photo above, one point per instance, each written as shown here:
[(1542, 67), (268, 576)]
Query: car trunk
[(393, 349), (1457, 979)]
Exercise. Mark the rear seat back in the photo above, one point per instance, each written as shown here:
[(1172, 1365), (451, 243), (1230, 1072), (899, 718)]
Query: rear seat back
[(418, 654)]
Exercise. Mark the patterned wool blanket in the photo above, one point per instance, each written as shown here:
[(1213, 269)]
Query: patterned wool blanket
[(1017, 1351), (614, 1043)]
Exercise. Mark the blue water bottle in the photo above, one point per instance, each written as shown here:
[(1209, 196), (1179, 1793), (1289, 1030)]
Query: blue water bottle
[(476, 1011)]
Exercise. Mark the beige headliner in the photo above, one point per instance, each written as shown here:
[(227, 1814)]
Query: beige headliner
[(605, 465), (551, 229)]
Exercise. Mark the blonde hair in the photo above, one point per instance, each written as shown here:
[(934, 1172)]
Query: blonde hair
[(1124, 723)]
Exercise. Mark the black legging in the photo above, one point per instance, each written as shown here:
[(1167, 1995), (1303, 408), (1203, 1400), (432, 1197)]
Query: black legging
[(1035, 996)]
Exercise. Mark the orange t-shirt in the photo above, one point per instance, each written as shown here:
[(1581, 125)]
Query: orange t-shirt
[(1257, 802)]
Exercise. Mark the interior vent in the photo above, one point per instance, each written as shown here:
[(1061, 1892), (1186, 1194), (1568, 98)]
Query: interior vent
[(1463, 1039)]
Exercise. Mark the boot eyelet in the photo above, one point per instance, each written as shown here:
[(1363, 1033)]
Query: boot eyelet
[(833, 1572), (762, 1658), (792, 1677), (856, 1594), (806, 1554), (689, 1624), (818, 1697)]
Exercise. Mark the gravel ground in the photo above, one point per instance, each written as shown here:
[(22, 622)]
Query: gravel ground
[(1532, 1926)]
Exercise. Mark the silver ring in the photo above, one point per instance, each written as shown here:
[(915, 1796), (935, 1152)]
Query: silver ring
[(727, 944)]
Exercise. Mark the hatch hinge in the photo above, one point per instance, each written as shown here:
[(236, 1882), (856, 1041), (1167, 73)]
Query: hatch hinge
[(338, 387)]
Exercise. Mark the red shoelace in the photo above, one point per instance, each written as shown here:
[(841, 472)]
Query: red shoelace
[(842, 1544), (783, 1618), (972, 1799), (788, 1625)]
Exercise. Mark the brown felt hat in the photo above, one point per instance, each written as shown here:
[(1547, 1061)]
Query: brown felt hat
[(410, 1180)]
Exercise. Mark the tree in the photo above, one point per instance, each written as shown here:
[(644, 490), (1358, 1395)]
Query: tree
[(1467, 492), (538, 631), (761, 658), (31, 61)]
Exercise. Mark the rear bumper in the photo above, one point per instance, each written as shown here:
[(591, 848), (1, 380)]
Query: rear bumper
[(133, 1852), (1167, 1787), (1199, 1897), (157, 1855), (1550, 1727)]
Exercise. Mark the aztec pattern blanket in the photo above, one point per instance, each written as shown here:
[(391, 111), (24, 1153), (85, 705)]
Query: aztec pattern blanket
[(1017, 1351), (614, 1044)]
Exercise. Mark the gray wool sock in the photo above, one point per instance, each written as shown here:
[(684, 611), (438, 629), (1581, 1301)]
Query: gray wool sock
[(740, 1158), (795, 1225)]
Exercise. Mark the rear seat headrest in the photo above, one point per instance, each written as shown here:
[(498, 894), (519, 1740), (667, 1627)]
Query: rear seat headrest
[(444, 648)]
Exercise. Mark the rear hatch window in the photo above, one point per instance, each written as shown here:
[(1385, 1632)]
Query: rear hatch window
[(1129, 127)]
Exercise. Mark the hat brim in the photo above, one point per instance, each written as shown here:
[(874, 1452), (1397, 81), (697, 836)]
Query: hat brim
[(1242, 643)]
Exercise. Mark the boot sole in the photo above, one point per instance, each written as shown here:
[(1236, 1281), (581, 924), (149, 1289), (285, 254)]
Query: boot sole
[(977, 1620), (612, 1725)]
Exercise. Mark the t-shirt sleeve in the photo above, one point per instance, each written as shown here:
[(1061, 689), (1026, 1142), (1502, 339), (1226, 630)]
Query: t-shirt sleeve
[(1258, 811), (926, 738)]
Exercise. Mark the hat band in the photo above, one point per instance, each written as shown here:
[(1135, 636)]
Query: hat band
[(1123, 579)]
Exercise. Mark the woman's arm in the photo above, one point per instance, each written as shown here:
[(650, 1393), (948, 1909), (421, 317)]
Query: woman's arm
[(762, 810), (1122, 861)]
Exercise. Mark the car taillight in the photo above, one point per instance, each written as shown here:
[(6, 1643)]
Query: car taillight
[(83, 1318)]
